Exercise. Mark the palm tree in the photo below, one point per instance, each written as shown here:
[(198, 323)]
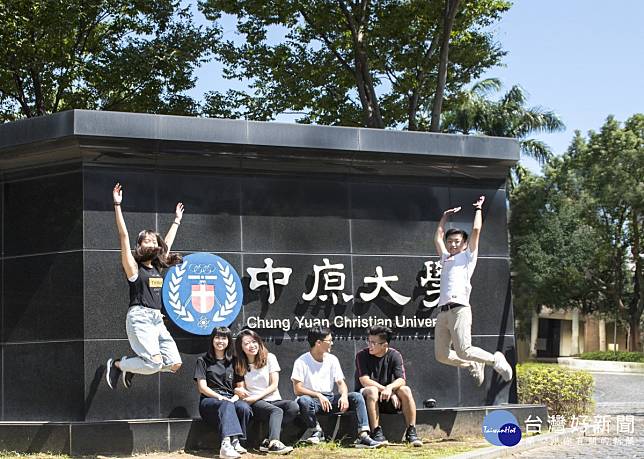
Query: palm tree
[(473, 113)]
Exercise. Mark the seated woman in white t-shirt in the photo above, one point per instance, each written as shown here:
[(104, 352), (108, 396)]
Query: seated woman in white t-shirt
[(257, 377)]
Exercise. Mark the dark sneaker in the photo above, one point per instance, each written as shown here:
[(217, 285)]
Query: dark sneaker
[(127, 379), (412, 437), (366, 441), (377, 435), (112, 373), (277, 447), (263, 447)]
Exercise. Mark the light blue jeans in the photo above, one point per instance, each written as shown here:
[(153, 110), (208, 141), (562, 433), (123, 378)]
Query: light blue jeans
[(148, 337)]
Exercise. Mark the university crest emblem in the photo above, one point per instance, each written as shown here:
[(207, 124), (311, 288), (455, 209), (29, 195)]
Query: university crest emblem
[(202, 293)]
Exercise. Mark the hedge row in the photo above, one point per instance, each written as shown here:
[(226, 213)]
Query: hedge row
[(565, 392), (619, 356)]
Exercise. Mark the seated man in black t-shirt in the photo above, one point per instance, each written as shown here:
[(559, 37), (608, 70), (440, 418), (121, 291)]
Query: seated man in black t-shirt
[(380, 378)]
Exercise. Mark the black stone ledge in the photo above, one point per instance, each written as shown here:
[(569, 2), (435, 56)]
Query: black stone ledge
[(143, 436), (105, 137)]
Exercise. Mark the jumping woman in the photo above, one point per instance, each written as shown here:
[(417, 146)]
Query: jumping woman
[(149, 338)]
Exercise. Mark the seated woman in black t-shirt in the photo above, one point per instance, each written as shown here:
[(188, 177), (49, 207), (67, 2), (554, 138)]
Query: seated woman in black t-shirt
[(218, 406)]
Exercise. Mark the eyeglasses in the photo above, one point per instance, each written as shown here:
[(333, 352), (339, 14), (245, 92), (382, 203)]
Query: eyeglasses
[(327, 340), (373, 343)]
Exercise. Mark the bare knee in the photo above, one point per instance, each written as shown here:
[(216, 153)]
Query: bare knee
[(370, 393), (403, 392)]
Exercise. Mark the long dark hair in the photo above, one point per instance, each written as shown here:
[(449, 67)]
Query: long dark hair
[(228, 352), (242, 366), (159, 257)]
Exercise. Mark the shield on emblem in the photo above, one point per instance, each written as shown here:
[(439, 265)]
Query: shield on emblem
[(203, 297)]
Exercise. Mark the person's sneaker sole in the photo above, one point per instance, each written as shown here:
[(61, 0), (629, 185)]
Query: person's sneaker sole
[(361, 446), (281, 452), (479, 373), (108, 371), (504, 368), (127, 380)]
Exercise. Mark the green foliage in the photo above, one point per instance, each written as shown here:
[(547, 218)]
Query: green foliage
[(124, 55), (472, 112), (368, 63), (619, 356), (576, 232), (549, 248), (565, 392)]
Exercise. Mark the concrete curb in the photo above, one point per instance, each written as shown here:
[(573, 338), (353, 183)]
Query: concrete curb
[(527, 444), (601, 366)]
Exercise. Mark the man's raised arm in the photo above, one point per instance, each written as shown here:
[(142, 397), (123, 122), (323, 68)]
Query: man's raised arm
[(478, 224), (439, 236)]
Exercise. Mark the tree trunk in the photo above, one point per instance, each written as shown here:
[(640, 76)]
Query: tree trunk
[(636, 306), (451, 6), (634, 335), (370, 107)]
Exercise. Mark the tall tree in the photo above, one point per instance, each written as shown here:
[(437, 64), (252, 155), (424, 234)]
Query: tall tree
[(371, 63), (609, 166), (555, 259), (130, 55), (577, 232), (473, 111)]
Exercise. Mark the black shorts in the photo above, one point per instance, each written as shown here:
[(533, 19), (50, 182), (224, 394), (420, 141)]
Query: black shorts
[(387, 407)]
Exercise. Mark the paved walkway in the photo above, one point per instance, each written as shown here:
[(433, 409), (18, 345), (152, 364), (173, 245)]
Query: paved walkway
[(618, 430)]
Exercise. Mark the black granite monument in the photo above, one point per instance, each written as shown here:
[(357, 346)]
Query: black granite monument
[(296, 194)]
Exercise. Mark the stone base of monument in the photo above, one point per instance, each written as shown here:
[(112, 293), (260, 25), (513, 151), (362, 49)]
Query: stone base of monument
[(143, 436)]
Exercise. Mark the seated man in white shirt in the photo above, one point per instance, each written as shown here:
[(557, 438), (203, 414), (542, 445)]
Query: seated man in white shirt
[(314, 375)]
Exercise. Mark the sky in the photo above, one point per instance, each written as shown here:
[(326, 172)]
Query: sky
[(583, 59)]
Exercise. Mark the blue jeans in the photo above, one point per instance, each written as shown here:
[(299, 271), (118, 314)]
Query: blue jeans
[(310, 407), (148, 337), (230, 418)]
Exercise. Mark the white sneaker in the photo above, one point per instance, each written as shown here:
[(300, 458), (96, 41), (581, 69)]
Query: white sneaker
[(277, 447), (312, 436), (238, 447), (477, 371), (502, 367), (227, 451)]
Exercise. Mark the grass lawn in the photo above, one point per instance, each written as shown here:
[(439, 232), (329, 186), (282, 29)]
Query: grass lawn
[(430, 449)]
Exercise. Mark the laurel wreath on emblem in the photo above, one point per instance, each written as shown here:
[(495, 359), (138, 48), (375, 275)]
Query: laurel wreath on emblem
[(181, 311), (231, 294), (175, 281)]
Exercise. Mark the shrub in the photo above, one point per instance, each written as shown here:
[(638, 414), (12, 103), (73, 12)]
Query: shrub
[(619, 356), (565, 392)]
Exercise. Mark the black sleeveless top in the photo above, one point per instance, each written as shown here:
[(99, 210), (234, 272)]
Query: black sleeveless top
[(146, 289)]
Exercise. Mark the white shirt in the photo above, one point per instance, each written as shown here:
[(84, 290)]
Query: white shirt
[(318, 376), (257, 380), (455, 277)]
